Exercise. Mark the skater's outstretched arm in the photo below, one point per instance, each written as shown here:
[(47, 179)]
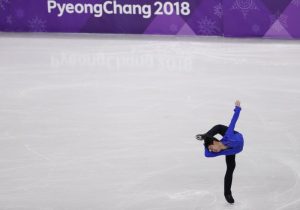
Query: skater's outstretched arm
[(234, 118)]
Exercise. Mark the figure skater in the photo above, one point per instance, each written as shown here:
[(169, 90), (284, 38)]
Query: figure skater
[(231, 144)]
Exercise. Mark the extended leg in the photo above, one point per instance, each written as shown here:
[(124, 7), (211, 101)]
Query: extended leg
[(217, 129), (230, 162)]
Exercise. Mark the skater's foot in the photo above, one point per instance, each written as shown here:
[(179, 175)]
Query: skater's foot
[(229, 198), (200, 137)]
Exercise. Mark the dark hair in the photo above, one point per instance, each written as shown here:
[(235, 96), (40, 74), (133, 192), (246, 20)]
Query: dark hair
[(209, 140)]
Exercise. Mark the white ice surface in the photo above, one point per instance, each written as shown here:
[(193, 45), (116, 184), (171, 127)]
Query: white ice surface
[(93, 122)]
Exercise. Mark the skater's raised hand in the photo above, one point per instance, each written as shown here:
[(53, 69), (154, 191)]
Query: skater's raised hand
[(238, 103)]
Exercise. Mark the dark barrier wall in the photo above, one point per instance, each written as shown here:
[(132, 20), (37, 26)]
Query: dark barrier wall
[(234, 18)]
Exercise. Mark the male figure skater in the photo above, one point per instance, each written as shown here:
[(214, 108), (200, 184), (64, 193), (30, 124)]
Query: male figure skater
[(231, 144)]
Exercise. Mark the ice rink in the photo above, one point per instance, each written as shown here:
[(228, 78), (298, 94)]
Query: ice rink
[(102, 122)]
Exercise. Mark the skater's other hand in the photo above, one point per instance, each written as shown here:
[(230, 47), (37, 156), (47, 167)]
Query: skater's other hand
[(238, 103)]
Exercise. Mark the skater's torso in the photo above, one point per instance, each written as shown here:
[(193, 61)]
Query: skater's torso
[(234, 142)]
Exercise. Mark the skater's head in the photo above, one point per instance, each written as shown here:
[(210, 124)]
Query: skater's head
[(213, 144), (216, 146)]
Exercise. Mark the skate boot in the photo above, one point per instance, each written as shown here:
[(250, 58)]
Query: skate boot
[(229, 198)]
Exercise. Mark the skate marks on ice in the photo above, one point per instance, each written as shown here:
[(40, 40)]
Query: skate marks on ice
[(293, 205), (288, 198), (190, 199), (265, 182), (25, 174)]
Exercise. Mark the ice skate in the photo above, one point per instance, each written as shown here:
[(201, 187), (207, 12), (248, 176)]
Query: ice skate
[(229, 198)]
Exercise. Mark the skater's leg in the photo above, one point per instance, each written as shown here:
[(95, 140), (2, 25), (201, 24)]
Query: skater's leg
[(217, 129), (230, 162)]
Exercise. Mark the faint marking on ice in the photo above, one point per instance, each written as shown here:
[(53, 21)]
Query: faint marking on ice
[(36, 153), (57, 87), (293, 139), (288, 205), (40, 182), (15, 168), (294, 187), (188, 194)]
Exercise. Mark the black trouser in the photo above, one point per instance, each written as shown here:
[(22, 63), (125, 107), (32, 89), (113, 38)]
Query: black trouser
[(230, 159)]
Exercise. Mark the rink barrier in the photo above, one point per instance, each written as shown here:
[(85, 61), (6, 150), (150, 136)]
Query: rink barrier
[(229, 18)]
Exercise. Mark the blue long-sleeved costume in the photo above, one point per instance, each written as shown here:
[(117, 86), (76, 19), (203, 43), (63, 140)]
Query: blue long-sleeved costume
[(233, 140)]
